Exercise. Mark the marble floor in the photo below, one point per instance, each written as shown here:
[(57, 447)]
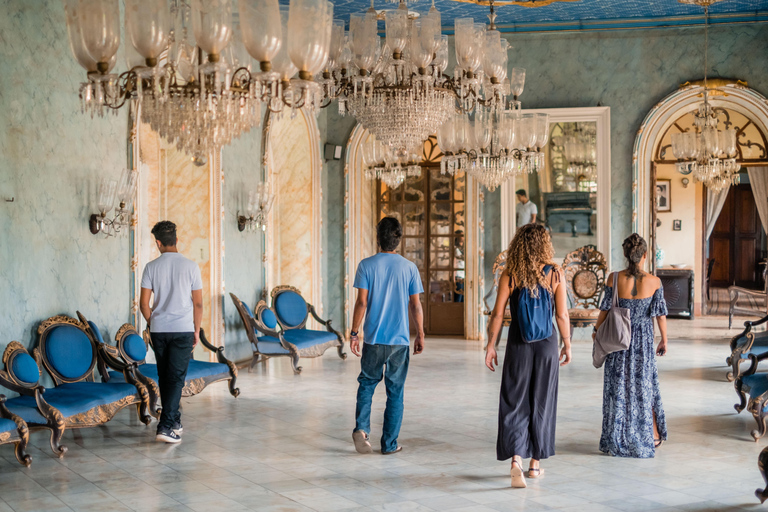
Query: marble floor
[(284, 444)]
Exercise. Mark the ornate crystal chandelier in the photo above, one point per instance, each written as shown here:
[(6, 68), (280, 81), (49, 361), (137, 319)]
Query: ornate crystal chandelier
[(196, 88), (708, 152), (580, 152), (489, 138), (492, 145), (195, 103), (382, 163)]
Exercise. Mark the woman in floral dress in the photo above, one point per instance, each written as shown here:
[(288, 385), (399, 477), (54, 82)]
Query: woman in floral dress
[(633, 416)]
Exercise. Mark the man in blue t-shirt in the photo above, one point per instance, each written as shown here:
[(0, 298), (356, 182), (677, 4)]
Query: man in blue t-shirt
[(388, 288)]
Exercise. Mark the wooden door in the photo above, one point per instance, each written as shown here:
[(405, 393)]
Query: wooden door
[(431, 209), (737, 240)]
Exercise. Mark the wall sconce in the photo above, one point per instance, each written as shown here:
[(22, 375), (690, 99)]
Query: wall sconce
[(259, 204), (110, 189), (685, 182)]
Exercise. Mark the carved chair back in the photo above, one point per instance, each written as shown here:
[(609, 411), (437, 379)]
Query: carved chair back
[(22, 371), (246, 316), (290, 308), (66, 350), (130, 345), (585, 272), (265, 319)]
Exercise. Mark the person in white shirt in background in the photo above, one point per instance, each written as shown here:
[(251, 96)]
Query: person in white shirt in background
[(526, 209)]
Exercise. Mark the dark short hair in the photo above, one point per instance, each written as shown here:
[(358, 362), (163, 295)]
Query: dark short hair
[(165, 233), (521, 192), (388, 233)]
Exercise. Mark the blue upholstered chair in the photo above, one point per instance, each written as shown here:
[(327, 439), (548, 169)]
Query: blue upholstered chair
[(263, 321), (13, 430), (132, 349), (747, 346), (292, 312), (69, 355)]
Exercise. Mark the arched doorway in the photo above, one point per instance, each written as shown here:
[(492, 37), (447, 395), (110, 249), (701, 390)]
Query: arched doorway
[(292, 161), (683, 218)]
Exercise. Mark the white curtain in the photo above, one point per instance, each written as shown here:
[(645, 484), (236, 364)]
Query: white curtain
[(715, 202), (758, 178)]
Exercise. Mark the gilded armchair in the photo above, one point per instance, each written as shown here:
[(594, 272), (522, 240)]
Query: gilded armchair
[(261, 320), (292, 313), (585, 271), (760, 297), (69, 356)]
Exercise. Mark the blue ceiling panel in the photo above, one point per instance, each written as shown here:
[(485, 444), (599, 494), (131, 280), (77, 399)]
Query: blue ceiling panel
[(577, 14)]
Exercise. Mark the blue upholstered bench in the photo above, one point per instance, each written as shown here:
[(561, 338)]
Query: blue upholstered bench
[(263, 321), (747, 346), (14, 430), (132, 349), (77, 400), (291, 313)]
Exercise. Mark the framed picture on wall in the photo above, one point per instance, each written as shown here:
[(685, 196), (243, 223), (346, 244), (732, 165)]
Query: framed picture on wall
[(663, 196)]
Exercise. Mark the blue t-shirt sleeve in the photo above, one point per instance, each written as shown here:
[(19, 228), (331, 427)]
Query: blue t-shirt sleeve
[(361, 278), (415, 286)]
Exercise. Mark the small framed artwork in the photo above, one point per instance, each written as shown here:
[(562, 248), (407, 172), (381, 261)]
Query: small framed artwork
[(663, 196), (677, 225)]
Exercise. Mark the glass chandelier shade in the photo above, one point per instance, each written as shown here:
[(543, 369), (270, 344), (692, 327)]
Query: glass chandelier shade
[(262, 29), (212, 24), (147, 23)]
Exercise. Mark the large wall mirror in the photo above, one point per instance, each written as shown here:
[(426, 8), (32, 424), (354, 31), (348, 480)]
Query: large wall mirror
[(173, 186), (572, 192)]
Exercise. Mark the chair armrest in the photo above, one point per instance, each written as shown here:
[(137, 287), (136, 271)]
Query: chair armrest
[(326, 323), (750, 324), (207, 344), (7, 382), (110, 356), (21, 425)]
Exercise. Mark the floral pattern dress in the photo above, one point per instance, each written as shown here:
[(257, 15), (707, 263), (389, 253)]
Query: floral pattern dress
[(631, 394)]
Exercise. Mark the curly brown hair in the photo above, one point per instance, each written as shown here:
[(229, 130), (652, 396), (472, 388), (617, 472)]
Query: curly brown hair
[(530, 249)]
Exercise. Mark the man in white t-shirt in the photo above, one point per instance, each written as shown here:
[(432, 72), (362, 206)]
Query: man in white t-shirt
[(526, 209), (173, 320)]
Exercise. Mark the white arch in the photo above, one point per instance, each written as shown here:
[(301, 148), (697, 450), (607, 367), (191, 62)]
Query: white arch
[(732, 96), (314, 204)]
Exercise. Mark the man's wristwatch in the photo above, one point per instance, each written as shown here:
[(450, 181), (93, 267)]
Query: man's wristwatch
[(353, 333)]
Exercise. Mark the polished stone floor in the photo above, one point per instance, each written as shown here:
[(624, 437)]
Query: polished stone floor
[(285, 444)]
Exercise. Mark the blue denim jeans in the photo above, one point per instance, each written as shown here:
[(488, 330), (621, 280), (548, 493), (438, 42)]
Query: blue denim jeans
[(375, 358)]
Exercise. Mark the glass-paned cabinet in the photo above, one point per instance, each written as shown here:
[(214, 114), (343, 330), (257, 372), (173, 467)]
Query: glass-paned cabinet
[(431, 209)]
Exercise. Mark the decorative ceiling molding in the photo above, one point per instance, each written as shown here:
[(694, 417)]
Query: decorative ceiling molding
[(521, 3)]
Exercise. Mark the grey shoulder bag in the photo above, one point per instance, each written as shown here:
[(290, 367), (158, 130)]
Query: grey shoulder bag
[(615, 332)]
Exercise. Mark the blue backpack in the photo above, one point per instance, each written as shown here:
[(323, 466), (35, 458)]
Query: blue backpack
[(534, 314)]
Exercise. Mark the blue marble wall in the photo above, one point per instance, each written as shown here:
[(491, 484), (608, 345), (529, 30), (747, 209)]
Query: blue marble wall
[(334, 129), (51, 156)]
